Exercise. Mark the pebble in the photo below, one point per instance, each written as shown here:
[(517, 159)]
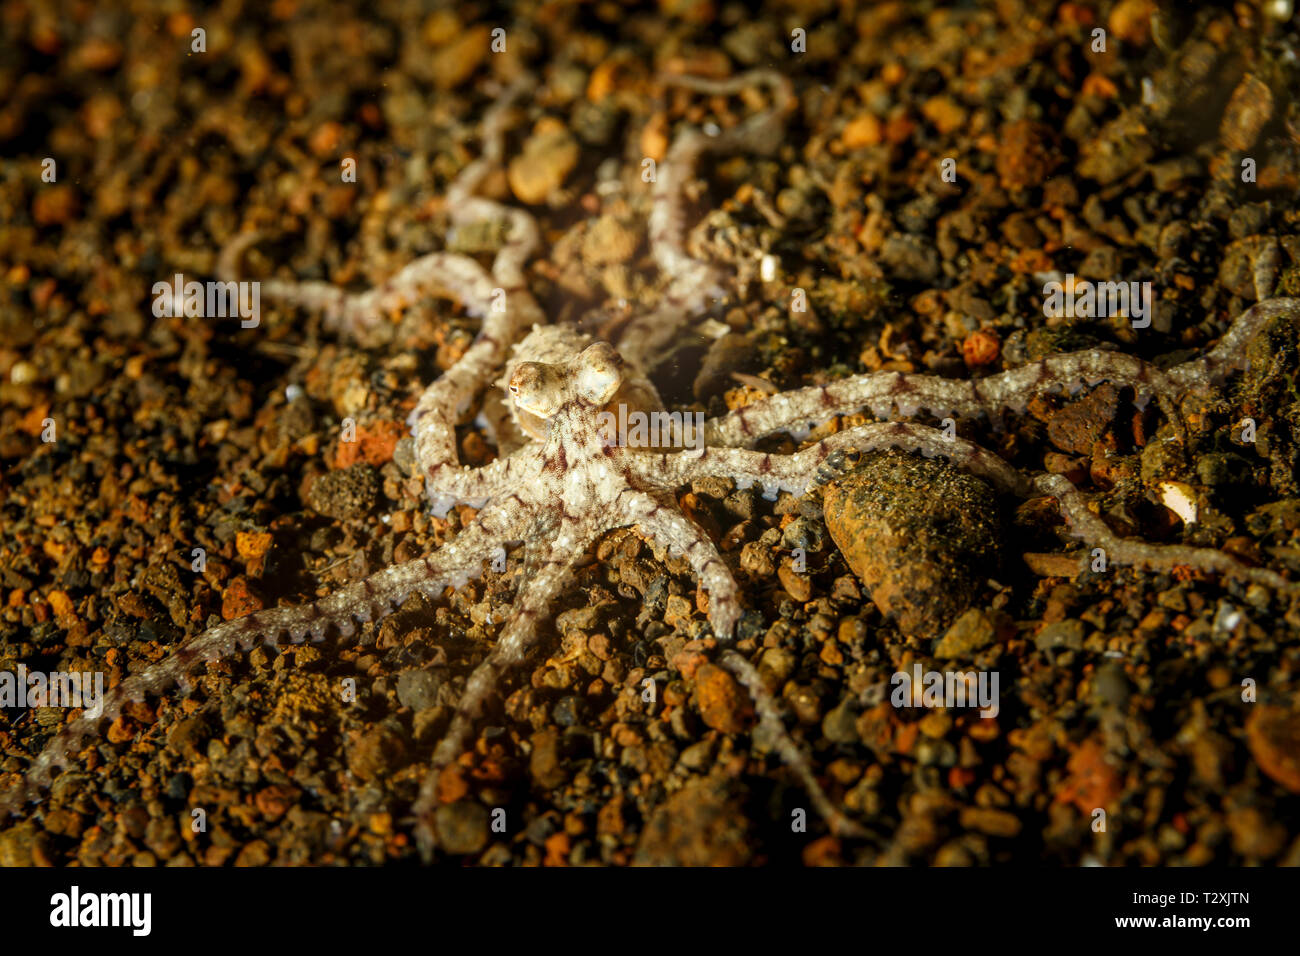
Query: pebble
[(797, 585), (345, 494), (1273, 735), (920, 534), (972, 631), (1093, 782), (1248, 112), (375, 752), (609, 241), (462, 827), (840, 724), (862, 130), (998, 823), (548, 157), (698, 755), (723, 703), (1026, 154), (418, 689), (1080, 424), (703, 824), (456, 62), (1066, 634)]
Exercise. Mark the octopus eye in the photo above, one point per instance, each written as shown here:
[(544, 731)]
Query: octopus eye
[(599, 373), (534, 389)]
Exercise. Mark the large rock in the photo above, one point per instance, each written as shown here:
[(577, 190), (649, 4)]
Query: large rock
[(922, 535)]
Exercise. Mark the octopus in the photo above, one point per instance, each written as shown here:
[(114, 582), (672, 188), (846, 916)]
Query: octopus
[(562, 481)]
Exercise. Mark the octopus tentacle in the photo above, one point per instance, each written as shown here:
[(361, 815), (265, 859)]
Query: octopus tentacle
[(366, 600), (691, 283), (552, 569), (681, 536), (799, 410), (452, 486), (547, 571), (799, 472), (512, 311), (1153, 557), (769, 715), (357, 314)]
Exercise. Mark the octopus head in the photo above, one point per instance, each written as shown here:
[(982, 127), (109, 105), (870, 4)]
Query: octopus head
[(592, 379)]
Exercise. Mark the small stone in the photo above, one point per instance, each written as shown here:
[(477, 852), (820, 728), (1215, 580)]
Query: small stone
[(17, 845), (544, 761), (1273, 735), (797, 585), (677, 610), (986, 820), (945, 113), (349, 493), (252, 545), (723, 703), (237, 600), (456, 62), (1247, 113), (1026, 155), (418, 689), (376, 444), (1256, 835), (756, 558), (1077, 426), (1130, 21), (1093, 782), (863, 130), (55, 205), (969, 633), (698, 755), (548, 157), (840, 724), (703, 824), (980, 348), (609, 241), (375, 753), (910, 258), (778, 662), (1110, 688), (803, 533), (1066, 634), (920, 534), (462, 827)]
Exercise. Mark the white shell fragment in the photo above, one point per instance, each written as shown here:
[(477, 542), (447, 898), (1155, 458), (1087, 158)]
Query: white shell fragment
[(1179, 498)]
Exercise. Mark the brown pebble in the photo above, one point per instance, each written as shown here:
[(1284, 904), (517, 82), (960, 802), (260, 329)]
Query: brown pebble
[(1273, 735), (797, 585), (548, 157), (723, 704), (237, 600), (1248, 112), (922, 535)]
